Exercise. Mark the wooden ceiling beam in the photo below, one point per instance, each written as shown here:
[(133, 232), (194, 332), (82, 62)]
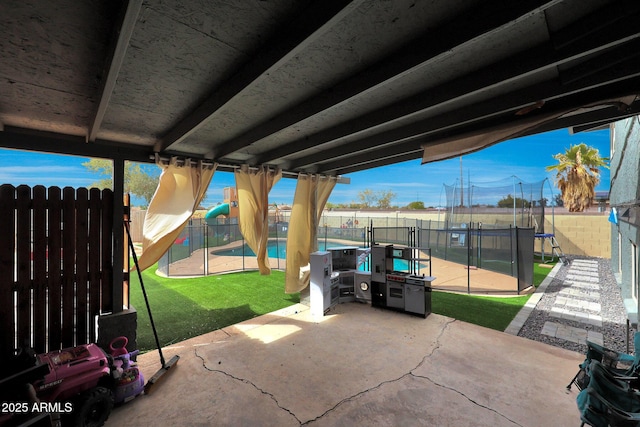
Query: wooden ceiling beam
[(357, 153), (117, 55), (537, 59), (289, 40), (481, 20)]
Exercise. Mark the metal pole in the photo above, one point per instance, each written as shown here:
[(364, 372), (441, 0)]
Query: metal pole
[(470, 204), (325, 237), (469, 196), (373, 233), (447, 238), (206, 249), (461, 185), (453, 198), (469, 260), (479, 245), (522, 197), (514, 200), (517, 263), (511, 248), (277, 240), (440, 203)]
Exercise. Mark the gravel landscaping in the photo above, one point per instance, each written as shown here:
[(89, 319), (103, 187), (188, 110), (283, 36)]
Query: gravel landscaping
[(612, 311)]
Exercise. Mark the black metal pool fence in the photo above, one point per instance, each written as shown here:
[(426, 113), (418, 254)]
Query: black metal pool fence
[(507, 250)]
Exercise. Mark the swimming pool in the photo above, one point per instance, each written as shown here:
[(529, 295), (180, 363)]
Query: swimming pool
[(275, 249), (278, 249)]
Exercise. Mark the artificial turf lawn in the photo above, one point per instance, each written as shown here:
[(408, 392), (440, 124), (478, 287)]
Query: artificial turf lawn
[(540, 273), (490, 312), (185, 308)]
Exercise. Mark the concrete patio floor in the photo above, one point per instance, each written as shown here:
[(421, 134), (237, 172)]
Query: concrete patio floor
[(357, 366)]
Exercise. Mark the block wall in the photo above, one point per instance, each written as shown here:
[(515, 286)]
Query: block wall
[(587, 235)]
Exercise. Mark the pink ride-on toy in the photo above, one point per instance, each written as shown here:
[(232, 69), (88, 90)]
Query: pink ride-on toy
[(85, 381), (129, 380)]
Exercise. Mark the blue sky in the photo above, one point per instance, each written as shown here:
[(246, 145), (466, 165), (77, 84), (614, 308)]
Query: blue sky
[(524, 157)]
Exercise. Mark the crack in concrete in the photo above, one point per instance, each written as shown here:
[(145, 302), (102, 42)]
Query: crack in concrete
[(436, 347), (347, 399), (449, 388), (246, 381), (360, 393), (410, 373), (467, 397)]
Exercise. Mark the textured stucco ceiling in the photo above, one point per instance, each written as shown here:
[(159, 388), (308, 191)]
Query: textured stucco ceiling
[(310, 86)]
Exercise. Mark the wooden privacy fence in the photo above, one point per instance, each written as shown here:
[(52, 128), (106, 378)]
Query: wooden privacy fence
[(56, 270)]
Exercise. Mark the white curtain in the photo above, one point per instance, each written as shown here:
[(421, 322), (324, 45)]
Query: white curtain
[(253, 186), (180, 190), (312, 193)]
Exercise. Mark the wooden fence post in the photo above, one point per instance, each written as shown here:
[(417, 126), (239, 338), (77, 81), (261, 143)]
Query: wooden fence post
[(7, 268)]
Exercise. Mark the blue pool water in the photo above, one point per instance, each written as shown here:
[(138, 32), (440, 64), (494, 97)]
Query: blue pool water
[(279, 250), (274, 249)]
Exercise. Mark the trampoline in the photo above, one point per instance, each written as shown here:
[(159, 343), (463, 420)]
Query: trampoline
[(502, 203)]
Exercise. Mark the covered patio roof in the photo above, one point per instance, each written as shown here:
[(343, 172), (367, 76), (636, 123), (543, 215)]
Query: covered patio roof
[(328, 87)]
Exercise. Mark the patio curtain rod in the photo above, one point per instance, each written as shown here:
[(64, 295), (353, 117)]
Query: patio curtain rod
[(180, 160)]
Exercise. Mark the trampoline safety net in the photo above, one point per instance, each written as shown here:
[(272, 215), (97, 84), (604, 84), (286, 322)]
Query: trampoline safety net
[(497, 204)]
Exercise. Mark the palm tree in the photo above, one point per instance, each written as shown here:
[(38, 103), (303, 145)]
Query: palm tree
[(577, 174)]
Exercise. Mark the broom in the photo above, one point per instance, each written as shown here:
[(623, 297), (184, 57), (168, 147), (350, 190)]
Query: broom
[(165, 366)]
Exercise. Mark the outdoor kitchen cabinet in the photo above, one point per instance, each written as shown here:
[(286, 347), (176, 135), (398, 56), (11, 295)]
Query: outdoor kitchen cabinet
[(412, 296), (417, 295), (324, 289)]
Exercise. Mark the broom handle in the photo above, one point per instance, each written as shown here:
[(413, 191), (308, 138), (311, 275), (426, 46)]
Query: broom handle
[(144, 292)]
